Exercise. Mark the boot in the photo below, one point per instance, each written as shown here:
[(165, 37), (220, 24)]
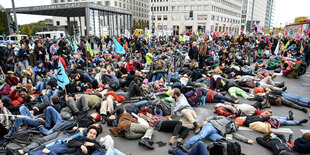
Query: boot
[(174, 146), (145, 142), (303, 121), (172, 140), (284, 89), (103, 118), (290, 115)]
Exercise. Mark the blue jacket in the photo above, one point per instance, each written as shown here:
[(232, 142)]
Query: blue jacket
[(301, 146)]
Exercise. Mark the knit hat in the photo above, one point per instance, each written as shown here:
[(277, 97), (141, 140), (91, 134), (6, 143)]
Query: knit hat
[(97, 117), (298, 58), (258, 90), (239, 121)]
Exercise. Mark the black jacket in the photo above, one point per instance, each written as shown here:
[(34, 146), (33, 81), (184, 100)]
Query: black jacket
[(77, 142), (276, 145), (255, 118), (301, 146), (84, 121)]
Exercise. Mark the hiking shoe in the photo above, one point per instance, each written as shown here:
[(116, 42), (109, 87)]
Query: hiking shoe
[(290, 115), (172, 140), (198, 128), (103, 119), (145, 142), (184, 148), (303, 121)]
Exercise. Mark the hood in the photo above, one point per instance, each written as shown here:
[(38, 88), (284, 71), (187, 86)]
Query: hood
[(302, 145)]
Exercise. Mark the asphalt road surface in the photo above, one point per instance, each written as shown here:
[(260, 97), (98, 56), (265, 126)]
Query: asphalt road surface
[(299, 87)]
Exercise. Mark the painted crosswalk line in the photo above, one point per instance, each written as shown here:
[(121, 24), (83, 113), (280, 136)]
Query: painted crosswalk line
[(281, 130)]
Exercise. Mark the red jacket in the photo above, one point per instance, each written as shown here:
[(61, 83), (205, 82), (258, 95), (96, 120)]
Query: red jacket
[(117, 98), (11, 82), (62, 60), (130, 67), (16, 100)]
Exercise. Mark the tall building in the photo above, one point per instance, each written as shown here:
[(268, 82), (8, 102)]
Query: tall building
[(173, 17), (139, 9), (263, 13)]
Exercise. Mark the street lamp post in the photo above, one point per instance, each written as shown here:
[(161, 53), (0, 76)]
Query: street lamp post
[(15, 19), (251, 26)]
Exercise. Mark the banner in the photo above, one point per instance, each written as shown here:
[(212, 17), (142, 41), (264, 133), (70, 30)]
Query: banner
[(276, 51), (117, 47), (181, 38), (88, 48), (75, 47), (62, 78)]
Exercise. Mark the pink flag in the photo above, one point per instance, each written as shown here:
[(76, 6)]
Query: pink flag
[(259, 29), (298, 37), (207, 33)]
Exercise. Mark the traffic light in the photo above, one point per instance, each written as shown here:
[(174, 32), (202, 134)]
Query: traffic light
[(191, 14), (12, 26)]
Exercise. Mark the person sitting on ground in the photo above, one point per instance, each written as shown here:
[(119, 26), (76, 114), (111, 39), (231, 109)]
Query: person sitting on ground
[(182, 108), (128, 127)]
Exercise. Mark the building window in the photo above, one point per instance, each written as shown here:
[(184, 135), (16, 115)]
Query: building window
[(173, 8), (62, 1), (186, 8), (193, 7), (158, 17), (180, 8), (206, 7), (57, 23), (120, 4), (166, 8), (99, 2), (212, 17), (115, 3), (107, 3), (165, 17), (76, 0), (55, 1), (199, 7), (69, 0)]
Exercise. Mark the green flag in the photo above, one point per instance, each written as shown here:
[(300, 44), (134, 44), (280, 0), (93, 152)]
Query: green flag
[(286, 45), (89, 49)]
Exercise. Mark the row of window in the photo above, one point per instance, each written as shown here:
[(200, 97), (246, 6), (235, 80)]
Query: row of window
[(159, 8), (189, 8), (224, 19), (63, 1), (224, 11), (229, 4)]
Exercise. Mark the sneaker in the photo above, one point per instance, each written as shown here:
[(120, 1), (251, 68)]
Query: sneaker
[(290, 137), (172, 140), (284, 89), (303, 121), (145, 142), (234, 97), (290, 115), (236, 102)]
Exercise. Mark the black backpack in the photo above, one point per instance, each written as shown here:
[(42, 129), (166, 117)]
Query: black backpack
[(224, 147)]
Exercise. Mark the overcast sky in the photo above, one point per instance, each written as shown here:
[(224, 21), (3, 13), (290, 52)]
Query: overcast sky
[(285, 10)]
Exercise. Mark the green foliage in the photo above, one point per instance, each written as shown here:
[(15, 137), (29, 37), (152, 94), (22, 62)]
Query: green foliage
[(26, 30), (3, 22), (33, 27)]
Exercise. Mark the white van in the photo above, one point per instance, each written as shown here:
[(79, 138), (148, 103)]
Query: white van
[(2, 39), (51, 34), (13, 38)]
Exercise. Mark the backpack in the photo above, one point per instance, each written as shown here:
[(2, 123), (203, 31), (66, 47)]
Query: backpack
[(131, 108), (303, 68), (224, 147)]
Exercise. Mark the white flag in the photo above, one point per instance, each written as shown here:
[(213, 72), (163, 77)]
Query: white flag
[(276, 51)]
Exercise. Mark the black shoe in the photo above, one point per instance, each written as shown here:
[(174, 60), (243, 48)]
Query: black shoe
[(305, 110), (103, 119), (284, 89), (290, 115), (183, 148), (145, 142), (303, 121)]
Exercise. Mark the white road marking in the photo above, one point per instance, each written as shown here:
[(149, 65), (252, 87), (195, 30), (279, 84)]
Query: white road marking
[(307, 84), (282, 130), (305, 131)]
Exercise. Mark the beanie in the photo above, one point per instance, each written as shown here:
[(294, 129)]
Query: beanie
[(239, 121), (298, 58), (97, 117), (258, 90)]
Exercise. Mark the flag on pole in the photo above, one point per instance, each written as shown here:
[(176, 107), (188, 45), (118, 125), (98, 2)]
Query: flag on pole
[(88, 48), (286, 46), (276, 51), (62, 78), (75, 47), (117, 47), (181, 38), (298, 37), (127, 34)]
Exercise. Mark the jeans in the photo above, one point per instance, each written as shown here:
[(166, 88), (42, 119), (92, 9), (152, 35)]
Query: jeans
[(157, 76), (41, 84), (176, 76), (25, 64), (28, 121), (113, 151), (143, 103), (207, 130), (284, 121), (198, 149), (51, 93), (218, 98), (51, 116), (295, 97)]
